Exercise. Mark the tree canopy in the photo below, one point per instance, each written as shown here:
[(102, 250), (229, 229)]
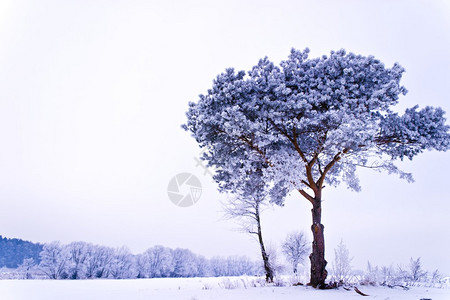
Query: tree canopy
[(311, 121)]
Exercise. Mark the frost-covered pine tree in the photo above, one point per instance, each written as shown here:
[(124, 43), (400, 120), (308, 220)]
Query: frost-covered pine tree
[(311, 122)]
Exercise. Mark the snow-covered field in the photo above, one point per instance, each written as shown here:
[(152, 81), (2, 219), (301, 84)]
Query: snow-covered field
[(194, 289)]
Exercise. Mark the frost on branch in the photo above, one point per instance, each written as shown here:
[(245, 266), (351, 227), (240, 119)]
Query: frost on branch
[(415, 131), (311, 122)]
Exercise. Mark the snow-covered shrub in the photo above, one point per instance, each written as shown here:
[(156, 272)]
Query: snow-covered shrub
[(436, 279), (279, 281), (341, 266), (258, 282), (207, 286), (229, 284), (371, 276), (402, 276)]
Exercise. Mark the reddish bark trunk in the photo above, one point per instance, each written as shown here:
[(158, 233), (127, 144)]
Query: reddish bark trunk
[(317, 257)]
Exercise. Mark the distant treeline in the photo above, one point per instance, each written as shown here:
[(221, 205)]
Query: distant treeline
[(81, 260), (14, 251)]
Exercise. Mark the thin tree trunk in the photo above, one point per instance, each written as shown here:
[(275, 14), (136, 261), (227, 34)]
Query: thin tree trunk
[(317, 257), (265, 257)]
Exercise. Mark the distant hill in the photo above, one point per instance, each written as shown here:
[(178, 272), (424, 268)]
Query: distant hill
[(14, 251)]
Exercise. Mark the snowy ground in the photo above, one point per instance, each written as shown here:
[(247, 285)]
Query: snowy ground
[(194, 289)]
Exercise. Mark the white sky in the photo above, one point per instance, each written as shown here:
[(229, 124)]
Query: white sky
[(93, 93)]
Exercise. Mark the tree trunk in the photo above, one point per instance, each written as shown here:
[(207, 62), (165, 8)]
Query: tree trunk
[(265, 257), (317, 257)]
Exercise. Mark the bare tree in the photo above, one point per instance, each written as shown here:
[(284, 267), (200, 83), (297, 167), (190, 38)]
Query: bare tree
[(97, 261), (54, 260), (121, 265), (246, 206), (203, 266), (78, 252), (157, 261), (26, 268), (184, 263), (295, 247)]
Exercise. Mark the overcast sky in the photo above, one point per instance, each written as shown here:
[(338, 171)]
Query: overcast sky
[(93, 93)]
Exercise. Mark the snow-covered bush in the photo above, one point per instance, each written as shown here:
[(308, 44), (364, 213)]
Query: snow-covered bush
[(402, 276), (341, 265), (229, 284)]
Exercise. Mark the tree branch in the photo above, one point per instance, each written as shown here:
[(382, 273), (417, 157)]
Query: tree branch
[(383, 140), (306, 183), (320, 167), (296, 146), (292, 139), (328, 167), (307, 196), (256, 148)]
